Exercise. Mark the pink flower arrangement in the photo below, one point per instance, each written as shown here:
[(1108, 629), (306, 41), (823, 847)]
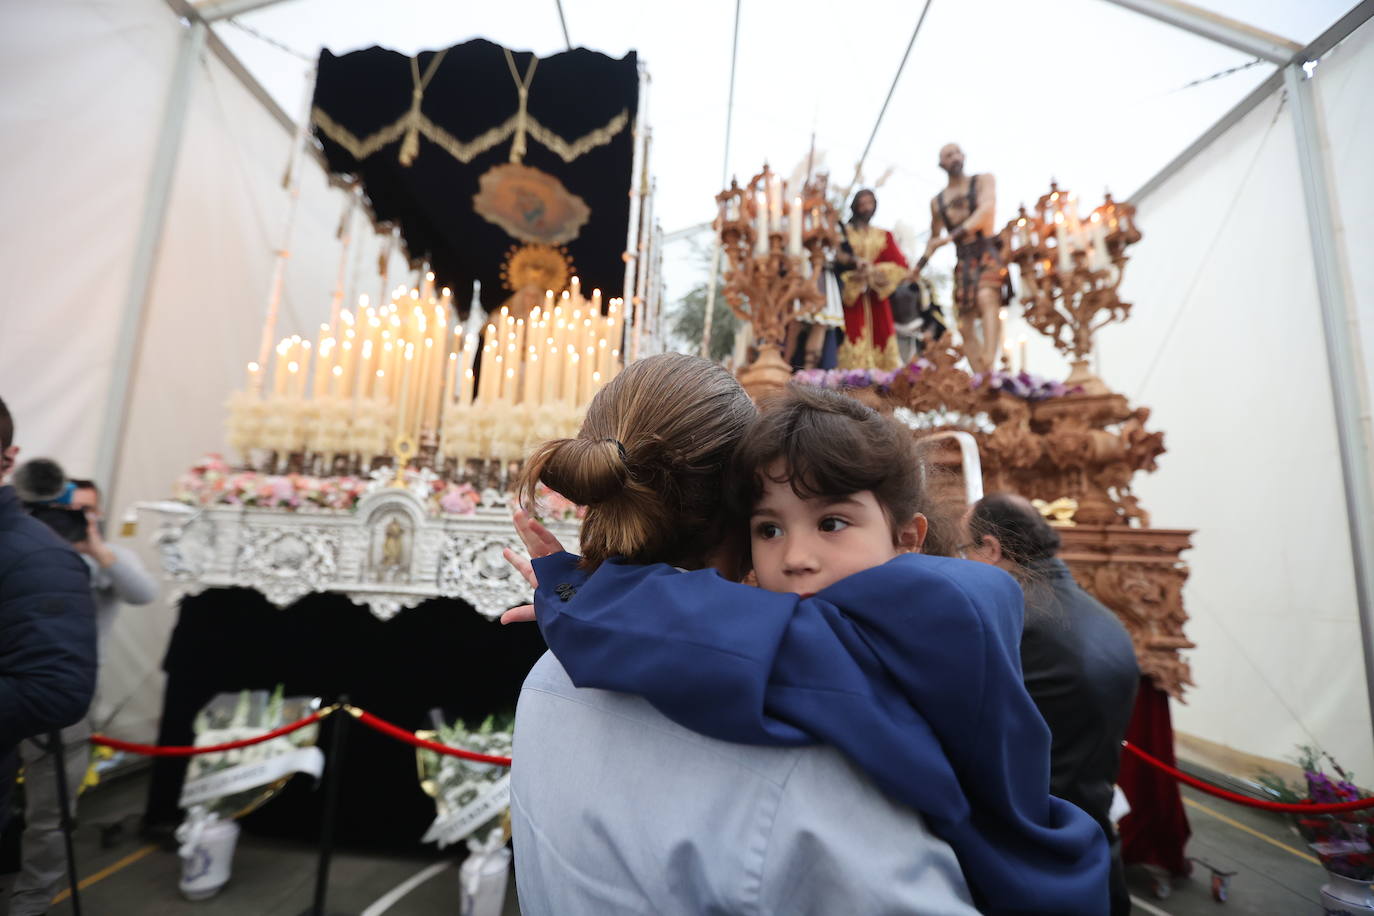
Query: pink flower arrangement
[(458, 499)]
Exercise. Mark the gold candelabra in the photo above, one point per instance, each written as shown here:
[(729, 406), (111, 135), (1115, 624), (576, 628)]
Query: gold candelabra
[(775, 258), (1071, 269)]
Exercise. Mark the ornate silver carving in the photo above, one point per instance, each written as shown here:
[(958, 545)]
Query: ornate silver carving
[(286, 555), (286, 564), (474, 570)]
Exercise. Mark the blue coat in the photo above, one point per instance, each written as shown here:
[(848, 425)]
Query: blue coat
[(911, 669), (47, 628)]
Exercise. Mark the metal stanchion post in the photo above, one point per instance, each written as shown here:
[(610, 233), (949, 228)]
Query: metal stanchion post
[(332, 774), (59, 756)]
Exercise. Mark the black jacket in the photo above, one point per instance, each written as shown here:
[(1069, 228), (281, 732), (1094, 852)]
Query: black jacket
[(1081, 671), (47, 628)]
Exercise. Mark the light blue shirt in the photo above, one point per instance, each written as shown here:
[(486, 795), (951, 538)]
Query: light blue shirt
[(618, 810)]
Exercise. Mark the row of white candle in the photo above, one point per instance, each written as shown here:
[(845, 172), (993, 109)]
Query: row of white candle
[(405, 355), (563, 351)]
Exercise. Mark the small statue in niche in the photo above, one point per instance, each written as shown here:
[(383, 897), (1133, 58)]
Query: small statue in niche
[(393, 546)]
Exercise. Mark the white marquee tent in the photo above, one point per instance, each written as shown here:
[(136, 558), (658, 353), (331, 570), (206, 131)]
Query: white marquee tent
[(120, 225)]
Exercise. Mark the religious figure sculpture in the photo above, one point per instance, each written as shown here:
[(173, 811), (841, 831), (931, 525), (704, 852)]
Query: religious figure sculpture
[(870, 266), (392, 546), (963, 213)]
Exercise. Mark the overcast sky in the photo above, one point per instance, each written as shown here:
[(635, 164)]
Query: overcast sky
[(1080, 90)]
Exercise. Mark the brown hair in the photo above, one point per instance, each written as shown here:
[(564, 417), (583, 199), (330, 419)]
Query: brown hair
[(829, 445), (649, 460), (1023, 533)]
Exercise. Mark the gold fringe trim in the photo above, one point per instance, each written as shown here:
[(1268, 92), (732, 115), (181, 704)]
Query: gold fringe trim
[(361, 149), (863, 355)]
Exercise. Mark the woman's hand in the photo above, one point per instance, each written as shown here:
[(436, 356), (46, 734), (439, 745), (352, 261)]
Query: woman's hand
[(540, 543)]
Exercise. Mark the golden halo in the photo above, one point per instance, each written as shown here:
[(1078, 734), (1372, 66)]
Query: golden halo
[(537, 266)]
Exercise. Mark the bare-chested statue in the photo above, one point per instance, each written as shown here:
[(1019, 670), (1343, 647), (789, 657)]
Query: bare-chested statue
[(963, 213)]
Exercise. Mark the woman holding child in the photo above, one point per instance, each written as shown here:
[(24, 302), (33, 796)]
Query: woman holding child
[(906, 665)]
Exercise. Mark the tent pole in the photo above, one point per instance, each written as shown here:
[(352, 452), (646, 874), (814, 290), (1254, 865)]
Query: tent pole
[(160, 179), (1230, 32), (1345, 361), (724, 174)]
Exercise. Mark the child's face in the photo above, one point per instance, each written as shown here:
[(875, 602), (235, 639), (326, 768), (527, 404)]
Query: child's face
[(803, 545)]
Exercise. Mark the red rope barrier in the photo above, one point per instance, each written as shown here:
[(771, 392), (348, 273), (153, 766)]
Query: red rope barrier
[(401, 734), (152, 750), (1286, 807), (362, 715)]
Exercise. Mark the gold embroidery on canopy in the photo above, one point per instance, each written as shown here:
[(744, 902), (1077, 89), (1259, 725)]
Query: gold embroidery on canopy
[(465, 152)]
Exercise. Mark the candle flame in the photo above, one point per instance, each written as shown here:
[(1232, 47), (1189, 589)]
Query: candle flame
[(337, 370), (364, 301), (253, 367), (305, 344), (292, 366)]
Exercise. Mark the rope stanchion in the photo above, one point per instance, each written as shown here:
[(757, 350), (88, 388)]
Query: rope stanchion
[(153, 750), (1358, 804), (400, 734), (362, 715)]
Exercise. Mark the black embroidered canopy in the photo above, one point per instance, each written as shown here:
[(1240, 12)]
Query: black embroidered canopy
[(446, 150)]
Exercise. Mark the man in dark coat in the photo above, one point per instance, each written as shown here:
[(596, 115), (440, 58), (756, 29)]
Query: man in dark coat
[(47, 626), (1077, 659)]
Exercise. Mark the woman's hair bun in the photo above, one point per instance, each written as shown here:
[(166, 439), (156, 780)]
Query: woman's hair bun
[(586, 471)]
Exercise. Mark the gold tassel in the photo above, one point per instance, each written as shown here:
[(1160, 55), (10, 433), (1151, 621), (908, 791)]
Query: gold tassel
[(410, 146)]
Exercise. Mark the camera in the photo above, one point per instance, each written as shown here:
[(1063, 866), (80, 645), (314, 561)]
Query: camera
[(70, 524)]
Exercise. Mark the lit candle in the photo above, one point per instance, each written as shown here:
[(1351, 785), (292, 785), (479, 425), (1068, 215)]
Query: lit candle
[(569, 393), (603, 359), (531, 391), (252, 379), (363, 387), (487, 382), (794, 228), (304, 375), (292, 370), (402, 420), (1021, 345), (760, 227), (344, 379), (425, 395), (549, 372), (775, 202), (279, 373), (1062, 242), (465, 393)]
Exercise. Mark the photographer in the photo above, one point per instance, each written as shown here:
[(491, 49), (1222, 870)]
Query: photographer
[(47, 626), (72, 509)]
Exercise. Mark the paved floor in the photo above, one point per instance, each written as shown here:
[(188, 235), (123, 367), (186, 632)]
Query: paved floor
[(1274, 873)]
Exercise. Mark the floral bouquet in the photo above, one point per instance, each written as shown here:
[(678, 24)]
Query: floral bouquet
[(230, 783), (1341, 841), (841, 379), (1023, 385), (469, 797)]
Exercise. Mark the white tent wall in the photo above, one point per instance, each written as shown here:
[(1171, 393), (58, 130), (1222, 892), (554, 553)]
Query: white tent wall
[(208, 291), (1225, 346), (76, 156)]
